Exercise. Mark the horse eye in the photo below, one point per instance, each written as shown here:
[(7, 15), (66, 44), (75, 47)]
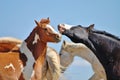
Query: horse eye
[(45, 29), (60, 54)]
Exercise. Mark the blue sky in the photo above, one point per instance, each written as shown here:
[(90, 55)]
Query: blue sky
[(17, 20)]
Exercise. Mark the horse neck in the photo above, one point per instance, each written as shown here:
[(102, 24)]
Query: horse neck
[(81, 51), (36, 46), (98, 42), (104, 40), (102, 45)]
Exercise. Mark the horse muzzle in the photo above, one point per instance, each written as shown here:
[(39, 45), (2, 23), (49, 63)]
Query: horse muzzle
[(58, 37), (61, 28)]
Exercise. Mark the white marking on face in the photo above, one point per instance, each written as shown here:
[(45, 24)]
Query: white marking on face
[(53, 30), (10, 66), (36, 38), (27, 72), (66, 26)]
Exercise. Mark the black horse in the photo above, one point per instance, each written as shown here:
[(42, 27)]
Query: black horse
[(104, 45)]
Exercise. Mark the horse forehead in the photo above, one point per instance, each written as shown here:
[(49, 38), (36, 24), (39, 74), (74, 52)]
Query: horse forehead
[(68, 26), (51, 28)]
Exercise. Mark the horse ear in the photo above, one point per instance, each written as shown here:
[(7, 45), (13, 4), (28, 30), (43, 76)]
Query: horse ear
[(90, 27), (48, 18), (64, 44), (36, 23), (45, 21)]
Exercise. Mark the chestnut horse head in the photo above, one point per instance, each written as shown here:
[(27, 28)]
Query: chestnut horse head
[(36, 44), (46, 32)]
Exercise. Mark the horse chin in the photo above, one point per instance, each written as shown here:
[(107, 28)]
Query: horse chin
[(57, 40)]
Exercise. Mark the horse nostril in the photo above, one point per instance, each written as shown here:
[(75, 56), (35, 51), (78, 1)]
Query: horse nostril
[(57, 36)]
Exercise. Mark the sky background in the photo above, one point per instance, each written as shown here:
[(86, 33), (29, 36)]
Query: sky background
[(17, 20)]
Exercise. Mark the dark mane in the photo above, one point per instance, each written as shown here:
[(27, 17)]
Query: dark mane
[(106, 33)]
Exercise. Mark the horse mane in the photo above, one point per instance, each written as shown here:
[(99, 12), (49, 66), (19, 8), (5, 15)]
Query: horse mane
[(106, 33), (10, 40), (9, 44)]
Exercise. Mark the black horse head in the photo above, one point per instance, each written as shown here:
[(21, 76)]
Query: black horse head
[(77, 34)]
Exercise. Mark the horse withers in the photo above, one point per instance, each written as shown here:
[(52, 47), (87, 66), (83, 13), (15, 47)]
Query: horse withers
[(27, 61), (103, 44)]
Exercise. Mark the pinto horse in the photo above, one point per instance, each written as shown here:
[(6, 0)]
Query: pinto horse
[(51, 69), (26, 62), (69, 50), (104, 45)]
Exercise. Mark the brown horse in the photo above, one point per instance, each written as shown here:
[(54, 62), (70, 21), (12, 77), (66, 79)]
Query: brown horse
[(27, 61)]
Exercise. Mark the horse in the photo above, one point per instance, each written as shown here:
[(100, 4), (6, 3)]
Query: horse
[(69, 50), (8, 43), (52, 68), (103, 44), (52, 65), (27, 61)]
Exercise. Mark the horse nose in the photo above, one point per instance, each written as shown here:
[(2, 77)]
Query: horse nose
[(58, 36)]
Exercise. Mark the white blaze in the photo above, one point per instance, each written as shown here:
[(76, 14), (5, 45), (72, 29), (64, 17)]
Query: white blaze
[(67, 26), (53, 30)]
